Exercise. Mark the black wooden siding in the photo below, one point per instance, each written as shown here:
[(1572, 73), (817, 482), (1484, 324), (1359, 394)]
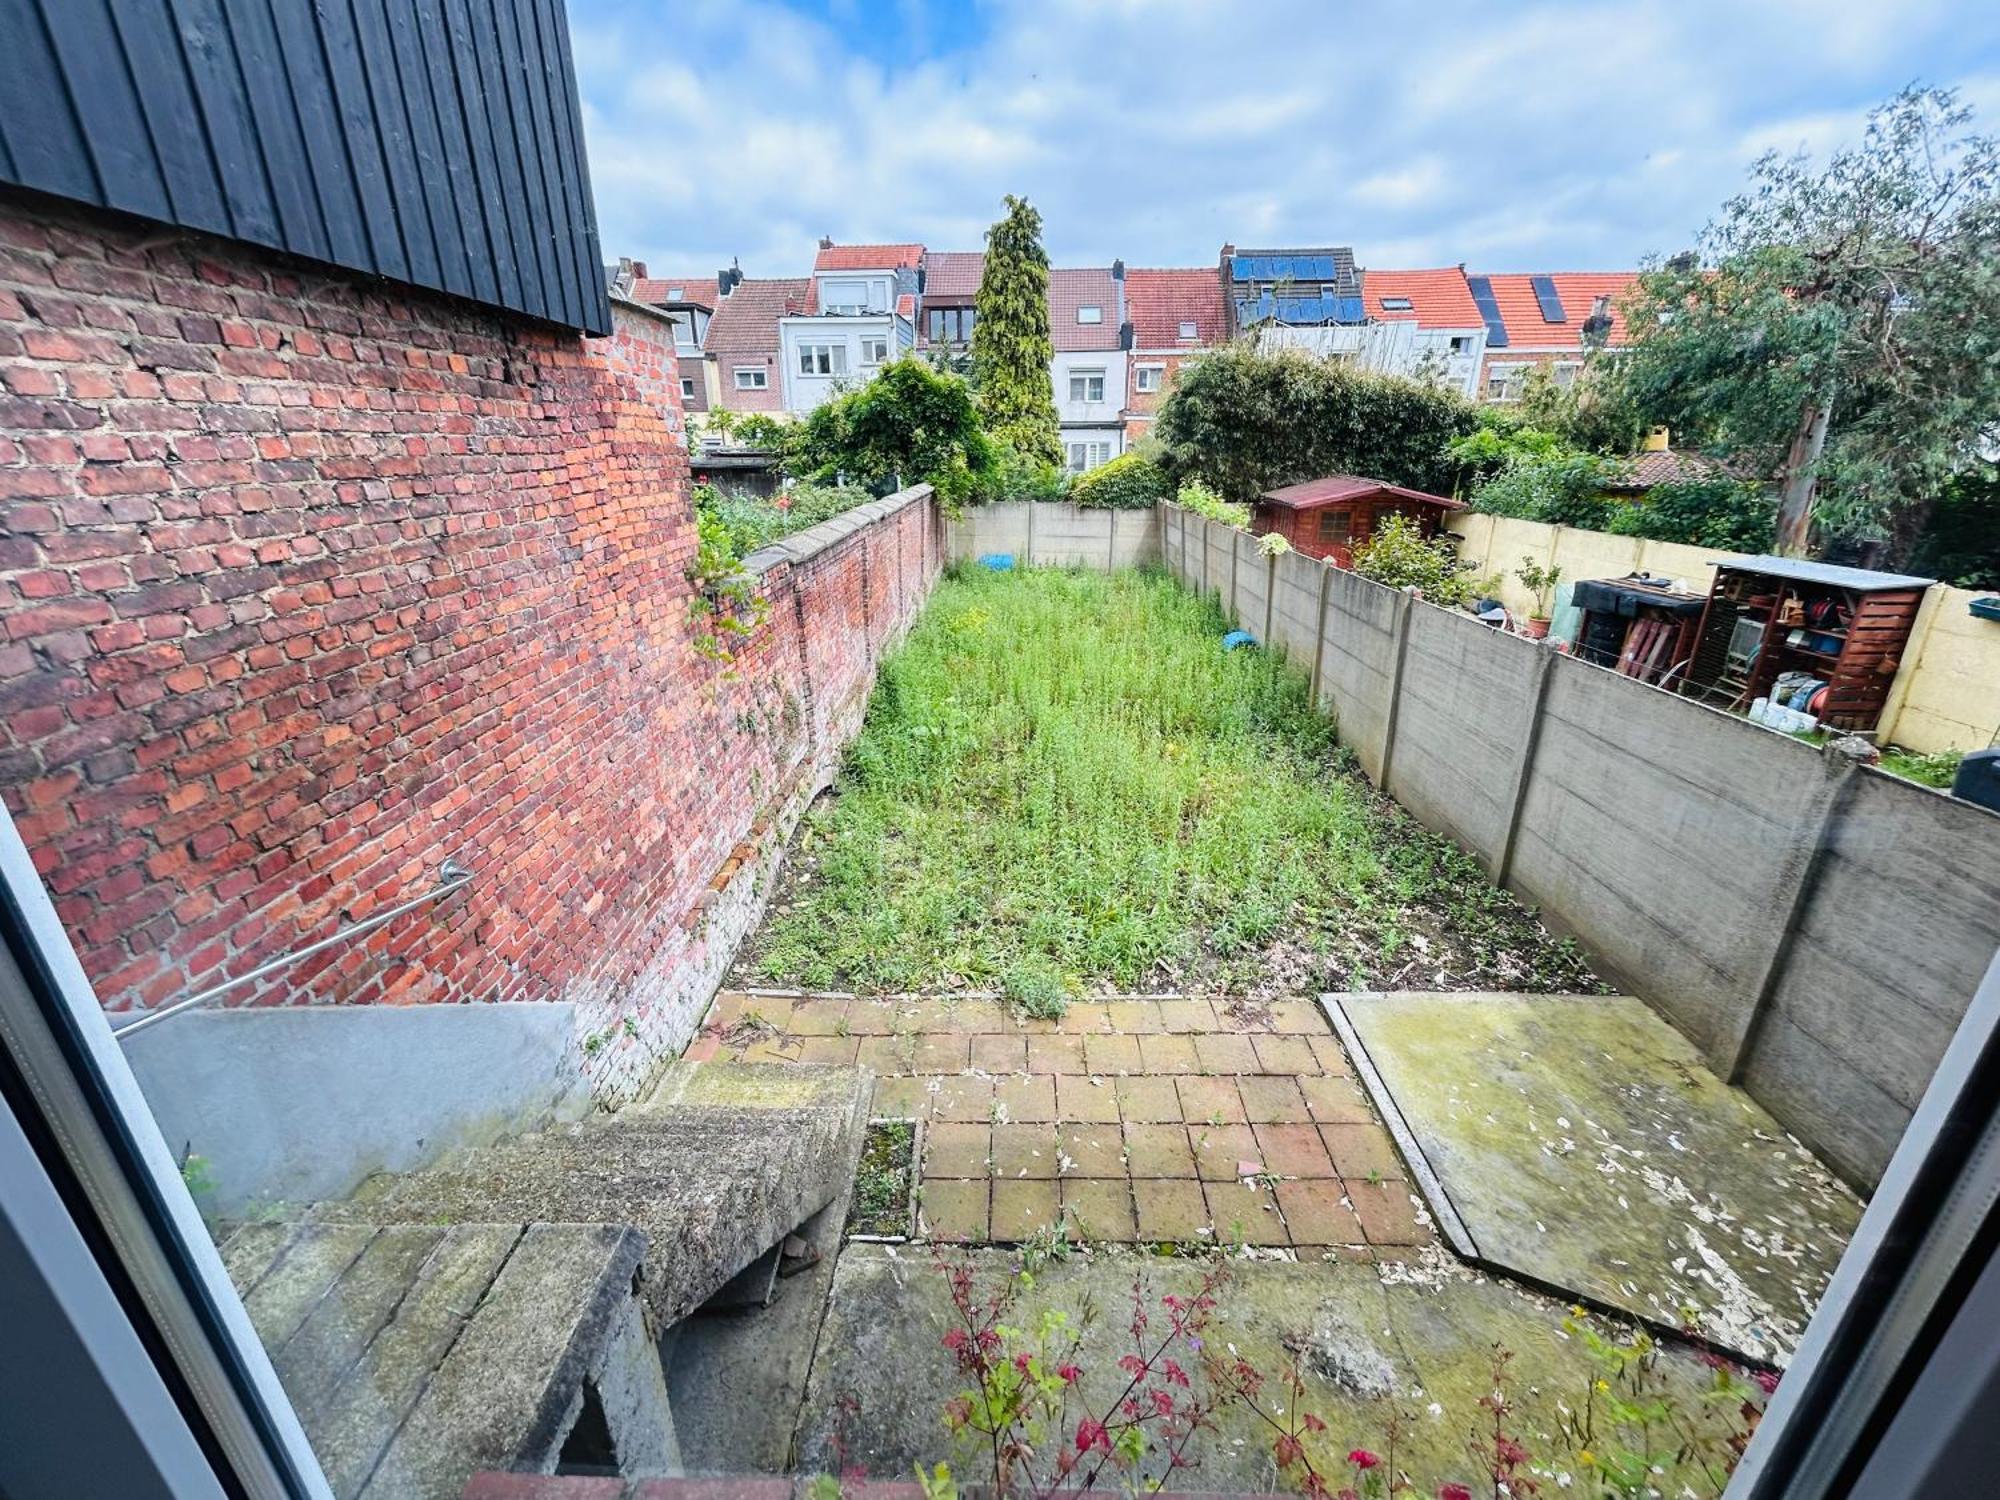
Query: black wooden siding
[(436, 142)]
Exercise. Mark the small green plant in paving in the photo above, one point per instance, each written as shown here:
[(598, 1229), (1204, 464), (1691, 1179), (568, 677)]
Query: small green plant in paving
[(881, 1202), (1064, 783)]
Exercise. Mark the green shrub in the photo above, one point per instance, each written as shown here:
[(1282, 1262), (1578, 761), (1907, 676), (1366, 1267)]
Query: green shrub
[(1245, 422), (1702, 513), (1203, 501), (1017, 476), (1398, 555), (910, 424), (1563, 489), (1131, 481)]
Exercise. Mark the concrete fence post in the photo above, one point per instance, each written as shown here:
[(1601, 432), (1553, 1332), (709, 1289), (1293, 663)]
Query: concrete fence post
[(1319, 629), (1235, 552), (1395, 688), (1029, 559), (1270, 598), (1538, 697), (1205, 549), (1808, 863)]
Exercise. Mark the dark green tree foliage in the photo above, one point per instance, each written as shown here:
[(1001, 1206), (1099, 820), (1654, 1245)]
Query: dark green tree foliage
[(1560, 488), (1720, 512), (1840, 326), (1131, 481), (1244, 422), (1011, 346), (1960, 543), (910, 423)]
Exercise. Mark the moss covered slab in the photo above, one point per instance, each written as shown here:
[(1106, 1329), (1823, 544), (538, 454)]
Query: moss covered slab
[(1582, 1142)]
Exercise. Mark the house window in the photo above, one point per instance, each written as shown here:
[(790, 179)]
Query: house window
[(748, 379), (1396, 304), (1146, 379), (951, 325), (848, 298), (822, 359), (687, 389), (874, 351), (1189, 332), (676, 293), (1088, 455), (1565, 375), (1086, 385), (1461, 343), (1090, 313), (1503, 382)]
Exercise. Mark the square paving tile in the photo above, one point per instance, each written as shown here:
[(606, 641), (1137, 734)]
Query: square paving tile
[(1148, 1100), (1093, 1151), (993, 1052), (1336, 1101), (1109, 1054), (1170, 1211), (1133, 1017), (1358, 1150), (1056, 1054), (1088, 1016), (1026, 1150), (960, 1097), (901, 1098), (953, 1210), (1294, 1151), (1225, 1052), (1158, 1151), (776, 1049), (1210, 1101), (818, 1018), (940, 1052), (1245, 1212), (872, 1018), (1077, 1098), (1387, 1215), (980, 1015), (1331, 1055), (1285, 1054), (956, 1150), (1316, 1214), (1029, 1098), (837, 1050), (1299, 1016), (1219, 1150), (1098, 1208), (1187, 1015), (1276, 1100), (886, 1054), (1168, 1053), (1023, 1206)]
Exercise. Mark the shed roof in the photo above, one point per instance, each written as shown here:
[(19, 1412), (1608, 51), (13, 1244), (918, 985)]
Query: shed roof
[(1801, 570), (1337, 488)]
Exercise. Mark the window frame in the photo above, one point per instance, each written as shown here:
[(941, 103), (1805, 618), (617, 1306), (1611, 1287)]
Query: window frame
[(832, 353), (1095, 309), (1085, 378), (1148, 380), (760, 378), (1190, 330)]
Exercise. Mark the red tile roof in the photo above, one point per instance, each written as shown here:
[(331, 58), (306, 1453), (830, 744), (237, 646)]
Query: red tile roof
[(1438, 299), (1159, 301), (1662, 466), (1522, 313), (746, 321), (695, 291), (951, 277), (1072, 289), (867, 257), (1337, 487)]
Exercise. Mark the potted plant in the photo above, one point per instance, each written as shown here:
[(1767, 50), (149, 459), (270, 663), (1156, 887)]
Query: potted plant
[(1540, 582)]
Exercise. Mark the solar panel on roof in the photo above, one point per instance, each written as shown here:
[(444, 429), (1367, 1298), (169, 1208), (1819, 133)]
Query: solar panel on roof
[(1551, 300), (1481, 288), (1348, 310)]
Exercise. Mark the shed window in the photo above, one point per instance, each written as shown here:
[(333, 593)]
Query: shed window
[(1336, 523)]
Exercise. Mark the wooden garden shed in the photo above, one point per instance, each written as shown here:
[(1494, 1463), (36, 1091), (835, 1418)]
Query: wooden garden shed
[(1327, 517), (1824, 639)]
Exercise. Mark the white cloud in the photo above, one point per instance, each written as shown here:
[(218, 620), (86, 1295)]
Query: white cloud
[(1540, 135)]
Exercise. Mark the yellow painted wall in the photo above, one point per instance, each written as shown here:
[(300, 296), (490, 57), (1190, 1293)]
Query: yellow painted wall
[(1945, 697)]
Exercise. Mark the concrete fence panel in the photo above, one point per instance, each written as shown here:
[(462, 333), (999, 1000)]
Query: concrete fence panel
[(1465, 728), (1251, 572), (1899, 917), (1298, 583), (1360, 649), (1058, 535), (1218, 560)]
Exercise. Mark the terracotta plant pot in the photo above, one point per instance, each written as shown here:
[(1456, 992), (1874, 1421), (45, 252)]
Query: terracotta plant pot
[(1534, 628)]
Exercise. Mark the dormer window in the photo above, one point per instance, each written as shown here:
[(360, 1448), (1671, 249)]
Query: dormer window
[(1090, 313), (1189, 331), (677, 294), (1395, 304)]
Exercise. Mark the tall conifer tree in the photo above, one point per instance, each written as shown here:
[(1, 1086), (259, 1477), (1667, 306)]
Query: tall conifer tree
[(1011, 347)]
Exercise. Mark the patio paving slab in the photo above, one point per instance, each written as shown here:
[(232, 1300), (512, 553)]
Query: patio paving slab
[(1582, 1142), (1367, 1338)]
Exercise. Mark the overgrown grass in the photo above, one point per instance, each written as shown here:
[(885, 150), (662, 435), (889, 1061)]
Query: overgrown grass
[(1064, 783)]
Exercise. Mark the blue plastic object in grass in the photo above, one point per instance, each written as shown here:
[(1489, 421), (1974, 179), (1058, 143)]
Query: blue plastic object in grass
[(1237, 638), (997, 562)]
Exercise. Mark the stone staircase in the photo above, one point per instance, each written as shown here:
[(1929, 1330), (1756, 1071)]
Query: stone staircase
[(504, 1309)]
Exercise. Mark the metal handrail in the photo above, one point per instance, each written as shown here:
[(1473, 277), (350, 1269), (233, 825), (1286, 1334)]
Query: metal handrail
[(451, 875)]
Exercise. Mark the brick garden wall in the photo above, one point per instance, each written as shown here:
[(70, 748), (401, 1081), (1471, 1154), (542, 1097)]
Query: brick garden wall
[(309, 584)]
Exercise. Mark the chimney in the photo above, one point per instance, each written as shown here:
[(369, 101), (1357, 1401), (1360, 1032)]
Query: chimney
[(1118, 270), (826, 242), (1656, 441)]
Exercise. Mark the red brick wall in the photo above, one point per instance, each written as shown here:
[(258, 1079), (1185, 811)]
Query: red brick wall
[(309, 584)]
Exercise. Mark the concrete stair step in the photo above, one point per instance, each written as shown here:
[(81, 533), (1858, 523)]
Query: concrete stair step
[(714, 1166)]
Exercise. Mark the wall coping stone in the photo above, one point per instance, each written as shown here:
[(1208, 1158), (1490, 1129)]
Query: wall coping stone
[(803, 546)]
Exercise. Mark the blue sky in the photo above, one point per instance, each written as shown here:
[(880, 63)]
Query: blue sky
[(1508, 136)]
